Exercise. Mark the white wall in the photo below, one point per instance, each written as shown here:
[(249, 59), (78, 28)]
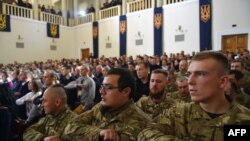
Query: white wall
[(109, 33), (36, 42), (83, 38), (185, 15), (141, 22), (225, 14)]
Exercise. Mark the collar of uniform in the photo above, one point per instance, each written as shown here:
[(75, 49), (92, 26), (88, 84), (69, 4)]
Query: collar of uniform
[(198, 112), (59, 116), (117, 111)]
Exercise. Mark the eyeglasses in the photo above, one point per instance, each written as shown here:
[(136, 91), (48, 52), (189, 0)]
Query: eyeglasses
[(106, 87)]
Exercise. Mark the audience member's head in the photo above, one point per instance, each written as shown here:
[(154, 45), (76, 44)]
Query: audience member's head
[(54, 100), (117, 88)]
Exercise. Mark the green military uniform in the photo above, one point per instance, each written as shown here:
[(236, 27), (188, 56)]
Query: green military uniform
[(188, 121), (177, 96), (49, 126), (246, 82), (154, 109), (127, 121), (178, 74), (243, 99), (172, 87)]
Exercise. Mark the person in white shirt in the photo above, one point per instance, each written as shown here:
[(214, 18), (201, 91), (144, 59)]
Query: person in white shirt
[(32, 111)]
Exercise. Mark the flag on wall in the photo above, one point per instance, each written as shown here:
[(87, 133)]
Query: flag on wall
[(53, 30), (5, 23), (123, 34), (205, 25), (158, 20), (95, 39)]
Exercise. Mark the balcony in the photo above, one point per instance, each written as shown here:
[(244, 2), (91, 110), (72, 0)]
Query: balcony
[(17, 11), (51, 18), (138, 5), (110, 12)]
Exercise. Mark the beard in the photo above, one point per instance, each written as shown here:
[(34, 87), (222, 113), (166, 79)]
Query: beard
[(105, 109), (156, 95)]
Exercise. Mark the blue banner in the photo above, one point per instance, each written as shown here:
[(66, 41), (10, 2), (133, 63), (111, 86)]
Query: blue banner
[(95, 40), (53, 30), (123, 34), (5, 23), (158, 20), (205, 25)]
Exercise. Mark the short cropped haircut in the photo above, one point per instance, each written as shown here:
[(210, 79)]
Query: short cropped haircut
[(59, 91), (125, 80), (161, 71), (181, 79), (145, 64), (219, 57)]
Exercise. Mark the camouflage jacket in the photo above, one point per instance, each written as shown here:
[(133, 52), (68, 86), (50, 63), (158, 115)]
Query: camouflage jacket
[(243, 99), (154, 109), (176, 96), (127, 121), (49, 126), (187, 121)]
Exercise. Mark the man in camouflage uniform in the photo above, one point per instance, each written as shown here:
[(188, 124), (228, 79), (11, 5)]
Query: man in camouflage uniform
[(234, 90), (116, 117), (203, 119), (51, 127), (182, 95), (157, 100), (238, 65), (183, 66)]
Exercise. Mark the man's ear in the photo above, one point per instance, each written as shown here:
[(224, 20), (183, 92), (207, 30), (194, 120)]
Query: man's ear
[(57, 101), (223, 81), (126, 91)]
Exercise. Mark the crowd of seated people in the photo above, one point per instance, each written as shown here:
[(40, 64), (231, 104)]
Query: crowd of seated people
[(112, 3), (91, 9), (21, 3), (83, 79), (50, 10)]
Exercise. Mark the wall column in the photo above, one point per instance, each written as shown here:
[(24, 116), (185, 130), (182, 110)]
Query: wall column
[(35, 8), (75, 8), (124, 7), (64, 12), (158, 3), (97, 5)]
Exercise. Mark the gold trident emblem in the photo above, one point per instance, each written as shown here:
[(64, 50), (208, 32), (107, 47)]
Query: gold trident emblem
[(2, 22), (158, 20), (205, 12), (122, 26), (95, 31), (53, 29)]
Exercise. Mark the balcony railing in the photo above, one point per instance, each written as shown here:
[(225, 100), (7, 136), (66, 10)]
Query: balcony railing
[(85, 19), (51, 18), (110, 12), (138, 5), (72, 22), (165, 2), (17, 11)]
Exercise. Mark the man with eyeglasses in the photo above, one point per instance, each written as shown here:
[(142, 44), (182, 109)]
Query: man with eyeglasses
[(115, 118)]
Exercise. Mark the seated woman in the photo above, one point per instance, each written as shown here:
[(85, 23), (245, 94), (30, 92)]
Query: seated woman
[(32, 110), (7, 112)]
